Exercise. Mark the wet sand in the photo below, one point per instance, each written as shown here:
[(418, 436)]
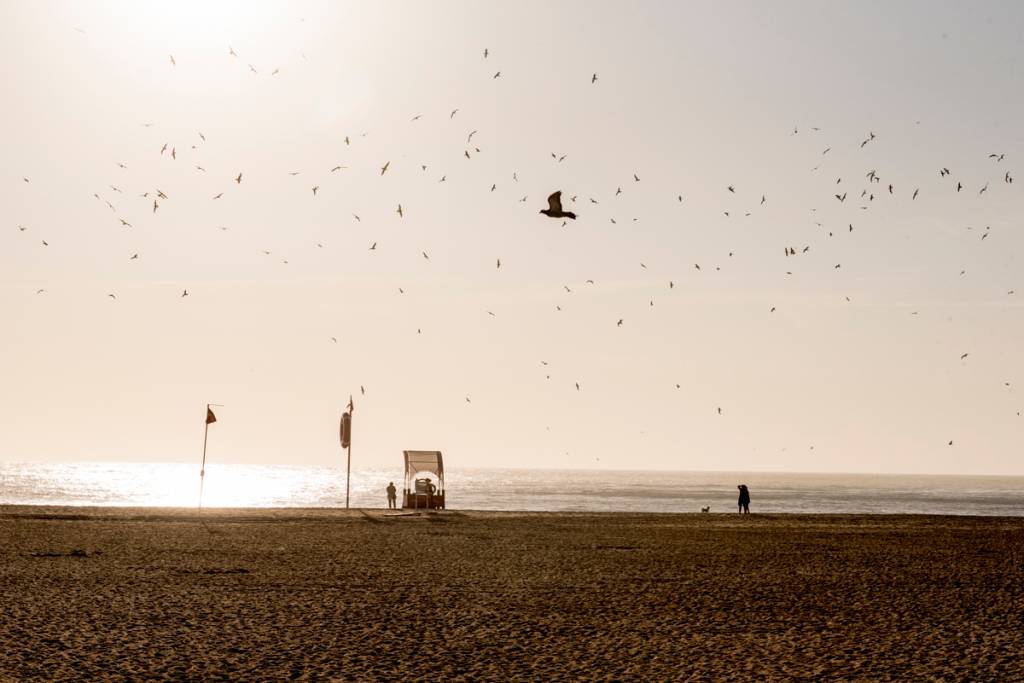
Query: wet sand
[(152, 594)]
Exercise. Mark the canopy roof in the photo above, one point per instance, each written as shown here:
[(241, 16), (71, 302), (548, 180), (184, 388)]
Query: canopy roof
[(424, 461)]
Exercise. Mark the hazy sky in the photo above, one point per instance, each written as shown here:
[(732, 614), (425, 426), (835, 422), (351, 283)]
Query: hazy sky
[(843, 357)]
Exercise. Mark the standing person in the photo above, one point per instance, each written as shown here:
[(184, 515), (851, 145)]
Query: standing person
[(392, 495), (744, 499)]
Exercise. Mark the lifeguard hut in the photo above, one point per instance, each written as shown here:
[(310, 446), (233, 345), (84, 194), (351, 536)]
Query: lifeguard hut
[(421, 492)]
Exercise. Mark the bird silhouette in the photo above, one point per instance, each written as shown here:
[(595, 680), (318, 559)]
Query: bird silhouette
[(184, 293), (554, 209), (593, 79), (238, 179), (384, 168), (399, 211)]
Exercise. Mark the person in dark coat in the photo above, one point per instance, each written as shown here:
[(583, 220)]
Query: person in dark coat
[(392, 495), (744, 499)]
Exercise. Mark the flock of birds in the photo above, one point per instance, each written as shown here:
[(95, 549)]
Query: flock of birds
[(863, 190)]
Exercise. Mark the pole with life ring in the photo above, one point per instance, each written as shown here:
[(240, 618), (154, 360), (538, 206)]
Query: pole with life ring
[(346, 443)]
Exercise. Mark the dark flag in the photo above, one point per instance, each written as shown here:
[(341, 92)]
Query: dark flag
[(210, 417)]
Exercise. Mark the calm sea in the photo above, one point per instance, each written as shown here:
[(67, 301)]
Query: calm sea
[(227, 485)]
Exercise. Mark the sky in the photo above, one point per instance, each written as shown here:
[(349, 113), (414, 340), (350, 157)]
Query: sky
[(888, 342)]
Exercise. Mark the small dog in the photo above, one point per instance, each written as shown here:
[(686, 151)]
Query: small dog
[(706, 508)]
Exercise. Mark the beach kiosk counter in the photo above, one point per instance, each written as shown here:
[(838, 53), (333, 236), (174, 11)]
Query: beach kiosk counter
[(423, 491)]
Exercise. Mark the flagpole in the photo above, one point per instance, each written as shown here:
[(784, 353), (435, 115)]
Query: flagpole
[(202, 467), (348, 464)]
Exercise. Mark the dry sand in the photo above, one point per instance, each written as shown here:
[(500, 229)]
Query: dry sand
[(132, 594)]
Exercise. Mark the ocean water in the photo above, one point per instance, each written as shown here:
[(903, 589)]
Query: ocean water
[(235, 485)]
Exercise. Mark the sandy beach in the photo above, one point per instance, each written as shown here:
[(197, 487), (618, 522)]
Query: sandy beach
[(162, 594)]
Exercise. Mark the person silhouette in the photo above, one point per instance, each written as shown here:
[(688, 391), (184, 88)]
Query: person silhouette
[(392, 495), (744, 502)]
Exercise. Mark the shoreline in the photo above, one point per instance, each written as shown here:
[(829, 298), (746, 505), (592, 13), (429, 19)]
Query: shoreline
[(138, 512)]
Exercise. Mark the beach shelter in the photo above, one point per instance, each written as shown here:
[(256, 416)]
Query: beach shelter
[(421, 489)]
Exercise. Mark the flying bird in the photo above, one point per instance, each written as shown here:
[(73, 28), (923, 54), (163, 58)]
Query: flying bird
[(184, 293), (384, 168), (399, 211), (373, 247), (238, 179), (593, 79), (173, 63), (554, 209), (315, 188)]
